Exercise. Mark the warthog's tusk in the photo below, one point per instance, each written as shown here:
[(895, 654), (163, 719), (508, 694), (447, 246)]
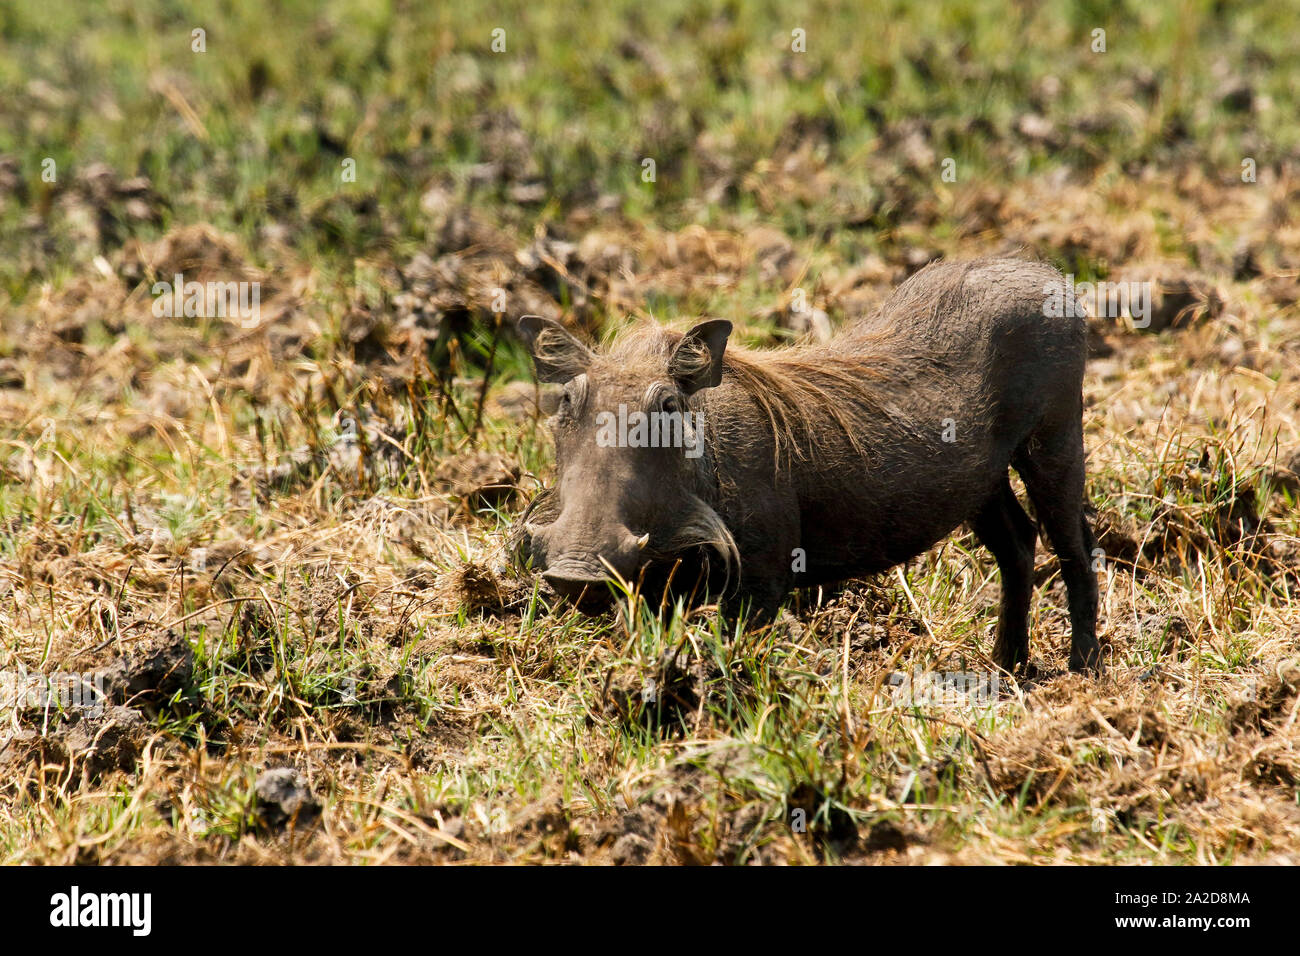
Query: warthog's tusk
[(642, 541)]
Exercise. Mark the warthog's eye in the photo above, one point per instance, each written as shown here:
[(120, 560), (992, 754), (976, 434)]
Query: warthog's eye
[(668, 404)]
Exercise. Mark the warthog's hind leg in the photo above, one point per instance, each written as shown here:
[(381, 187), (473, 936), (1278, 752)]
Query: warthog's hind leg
[(1003, 527), (1051, 464)]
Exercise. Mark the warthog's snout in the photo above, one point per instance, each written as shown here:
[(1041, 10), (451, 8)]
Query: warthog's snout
[(574, 567)]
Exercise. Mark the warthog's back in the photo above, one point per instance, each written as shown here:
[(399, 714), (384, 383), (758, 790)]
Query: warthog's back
[(987, 314), (995, 358), (955, 372)]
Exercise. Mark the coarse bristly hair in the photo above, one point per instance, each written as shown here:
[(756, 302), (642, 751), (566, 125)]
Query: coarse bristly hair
[(807, 394)]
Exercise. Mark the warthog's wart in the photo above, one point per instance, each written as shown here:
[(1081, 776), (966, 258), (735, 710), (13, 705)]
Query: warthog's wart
[(823, 462)]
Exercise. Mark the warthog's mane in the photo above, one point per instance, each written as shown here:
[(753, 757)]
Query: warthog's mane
[(814, 399)]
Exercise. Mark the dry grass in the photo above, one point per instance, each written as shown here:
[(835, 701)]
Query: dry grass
[(284, 544), (342, 608)]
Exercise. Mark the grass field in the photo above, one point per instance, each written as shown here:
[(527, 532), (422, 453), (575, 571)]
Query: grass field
[(279, 537)]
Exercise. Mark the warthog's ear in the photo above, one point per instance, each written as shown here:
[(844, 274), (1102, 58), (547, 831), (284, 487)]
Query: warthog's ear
[(557, 355), (697, 361)]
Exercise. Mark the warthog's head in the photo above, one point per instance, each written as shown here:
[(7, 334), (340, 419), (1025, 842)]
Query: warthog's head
[(631, 458)]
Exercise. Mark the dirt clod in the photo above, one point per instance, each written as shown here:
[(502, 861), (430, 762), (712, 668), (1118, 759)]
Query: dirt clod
[(89, 745), (148, 672), (283, 797)]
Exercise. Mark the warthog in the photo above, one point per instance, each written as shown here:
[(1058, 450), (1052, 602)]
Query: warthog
[(811, 464)]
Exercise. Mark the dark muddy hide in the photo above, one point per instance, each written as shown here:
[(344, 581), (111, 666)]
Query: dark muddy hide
[(809, 465)]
